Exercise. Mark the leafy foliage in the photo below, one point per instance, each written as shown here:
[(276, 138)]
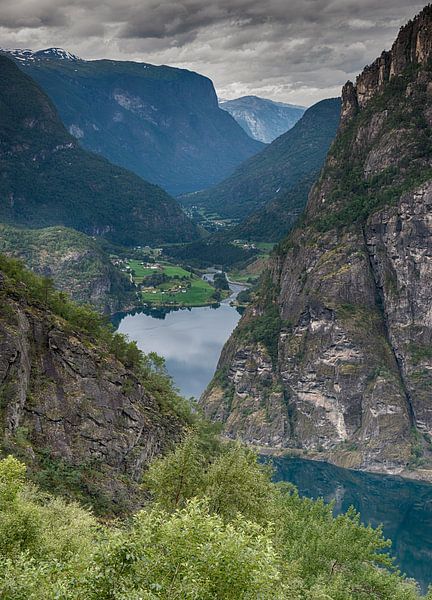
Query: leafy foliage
[(263, 541), (220, 281)]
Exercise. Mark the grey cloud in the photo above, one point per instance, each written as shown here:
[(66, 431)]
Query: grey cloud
[(295, 50), (31, 14)]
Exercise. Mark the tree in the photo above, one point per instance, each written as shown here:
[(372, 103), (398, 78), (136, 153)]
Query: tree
[(179, 476), (47, 288), (186, 555), (218, 529)]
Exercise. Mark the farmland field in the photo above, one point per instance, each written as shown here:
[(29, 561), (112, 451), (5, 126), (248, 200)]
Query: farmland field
[(199, 293), (138, 271), (177, 287)]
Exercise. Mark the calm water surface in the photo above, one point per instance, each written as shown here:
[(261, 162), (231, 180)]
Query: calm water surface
[(403, 507), (191, 342)]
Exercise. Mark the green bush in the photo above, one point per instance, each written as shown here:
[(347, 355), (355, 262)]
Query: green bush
[(234, 535)]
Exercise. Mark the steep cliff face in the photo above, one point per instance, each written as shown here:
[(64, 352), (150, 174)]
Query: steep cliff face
[(161, 122), (67, 403), (335, 358)]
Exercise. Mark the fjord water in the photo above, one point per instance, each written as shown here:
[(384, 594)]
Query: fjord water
[(402, 506), (190, 340)]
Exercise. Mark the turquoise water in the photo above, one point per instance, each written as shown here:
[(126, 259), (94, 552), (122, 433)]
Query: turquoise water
[(191, 342), (403, 507)]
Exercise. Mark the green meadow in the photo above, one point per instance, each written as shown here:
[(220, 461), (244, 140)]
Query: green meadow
[(179, 288)]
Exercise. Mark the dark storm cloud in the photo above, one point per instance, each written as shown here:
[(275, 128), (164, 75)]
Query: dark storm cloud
[(295, 50)]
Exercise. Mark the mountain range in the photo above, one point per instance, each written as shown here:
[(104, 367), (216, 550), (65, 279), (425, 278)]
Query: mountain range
[(284, 170), (160, 122), (48, 179), (113, 486), (261, 118)]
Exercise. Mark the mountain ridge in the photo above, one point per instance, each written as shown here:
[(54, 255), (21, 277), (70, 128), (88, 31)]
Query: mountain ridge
[(295, 157), (161, 122), (48, 179)]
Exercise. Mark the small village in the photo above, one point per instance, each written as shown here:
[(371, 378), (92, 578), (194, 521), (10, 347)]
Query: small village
[(161, 283)]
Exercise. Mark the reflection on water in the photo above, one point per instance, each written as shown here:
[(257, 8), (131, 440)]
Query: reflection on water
[(403, 507), (190, 340)]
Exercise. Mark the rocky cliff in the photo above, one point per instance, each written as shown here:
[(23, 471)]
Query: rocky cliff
[(335, 358), (79, 416)]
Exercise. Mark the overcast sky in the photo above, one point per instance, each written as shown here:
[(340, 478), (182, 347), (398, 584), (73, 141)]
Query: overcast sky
[(290, 50)]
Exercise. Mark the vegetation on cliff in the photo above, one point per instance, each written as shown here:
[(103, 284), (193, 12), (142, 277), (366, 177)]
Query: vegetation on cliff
[(216, 528), (83, 406), (76, 263)]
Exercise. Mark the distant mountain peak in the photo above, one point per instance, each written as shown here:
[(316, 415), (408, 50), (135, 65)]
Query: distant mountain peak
[(262, 119), (58, 53), (27, 55), (260, 100)]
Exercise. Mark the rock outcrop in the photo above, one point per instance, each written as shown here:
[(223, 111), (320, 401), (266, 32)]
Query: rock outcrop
[(335, 357), (66, 399)]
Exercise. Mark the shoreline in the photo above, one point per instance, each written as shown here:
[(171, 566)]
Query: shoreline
[(421, 475), (155, 306)]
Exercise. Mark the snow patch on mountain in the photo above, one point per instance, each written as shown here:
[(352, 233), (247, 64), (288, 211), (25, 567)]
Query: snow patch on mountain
[(27, 55)]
